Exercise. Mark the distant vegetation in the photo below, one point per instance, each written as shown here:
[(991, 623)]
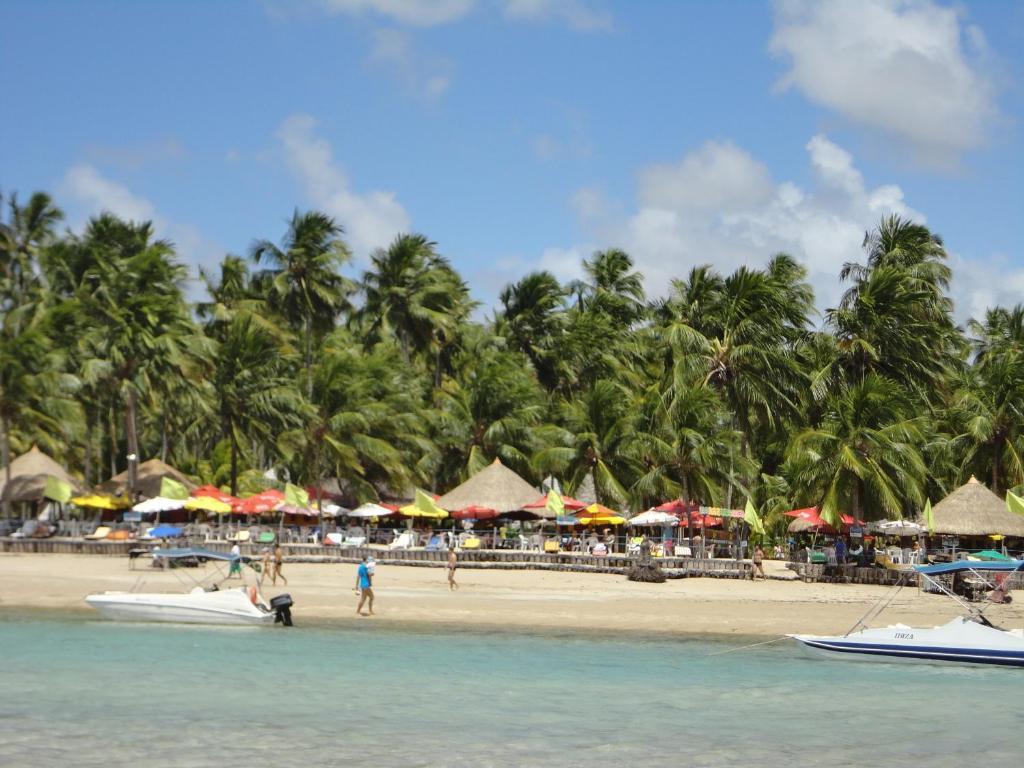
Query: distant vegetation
[(731, 386)]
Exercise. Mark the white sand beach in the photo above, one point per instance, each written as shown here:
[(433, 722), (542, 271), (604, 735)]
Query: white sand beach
[(510, 599)]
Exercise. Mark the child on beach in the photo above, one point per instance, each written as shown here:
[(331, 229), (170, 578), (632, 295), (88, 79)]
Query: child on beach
[(758, 567), (452, 564)]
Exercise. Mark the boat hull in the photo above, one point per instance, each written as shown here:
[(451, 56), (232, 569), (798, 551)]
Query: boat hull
[(958, 642), (231, 607)]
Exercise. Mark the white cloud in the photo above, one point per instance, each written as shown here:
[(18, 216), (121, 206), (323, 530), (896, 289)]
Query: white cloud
[(426, 76), (909, 68), (577, 14), (747, 217), (419, 13), (90, 193), (371, 219)]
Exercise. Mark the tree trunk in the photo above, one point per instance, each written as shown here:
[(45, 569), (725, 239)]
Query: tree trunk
[(88, 447), (5, 457), (113, 440), (689, 517), (133, 444), (309, 357), (855, 498), (164, 440), (996, 450), (234, 460)]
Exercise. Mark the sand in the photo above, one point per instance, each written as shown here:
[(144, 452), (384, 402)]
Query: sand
[(509, 599)]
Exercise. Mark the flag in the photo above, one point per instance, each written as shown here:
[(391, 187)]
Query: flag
[(426, 504), (751, 518), (57, 490), (929, 518), (172, 489), (295, 496), (554, 504), (1014, 503)]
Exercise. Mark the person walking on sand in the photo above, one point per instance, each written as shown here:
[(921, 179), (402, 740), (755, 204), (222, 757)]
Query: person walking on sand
[(758, 567), (453, 560), (236, 561), (265, 565), (364, 587), (278, 559)]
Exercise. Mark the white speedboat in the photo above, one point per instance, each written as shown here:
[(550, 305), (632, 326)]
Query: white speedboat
[(200, 605), (970, 639)]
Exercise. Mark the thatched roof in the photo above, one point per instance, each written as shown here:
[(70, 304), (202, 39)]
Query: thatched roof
[(973, 510), (28, 477), (496, 487), (148, 484)]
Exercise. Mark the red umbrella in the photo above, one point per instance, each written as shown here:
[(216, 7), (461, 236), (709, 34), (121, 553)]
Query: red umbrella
[(680, 508), (213, 492), (573, 505), (814, 519), (261, 503), (473, 512)]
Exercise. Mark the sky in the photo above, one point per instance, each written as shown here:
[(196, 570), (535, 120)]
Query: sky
[(527, 134)]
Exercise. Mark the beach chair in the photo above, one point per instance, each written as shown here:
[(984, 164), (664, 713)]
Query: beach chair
[(100, 533), (552, 546), (404, 540), (240, 537), (267, 537), (434, 544), (471, 543)]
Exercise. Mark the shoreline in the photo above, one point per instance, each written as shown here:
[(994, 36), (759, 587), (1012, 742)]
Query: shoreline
[(505, 600)]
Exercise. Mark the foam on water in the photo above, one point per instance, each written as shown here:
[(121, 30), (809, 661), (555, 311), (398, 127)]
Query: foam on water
[(84, 692)]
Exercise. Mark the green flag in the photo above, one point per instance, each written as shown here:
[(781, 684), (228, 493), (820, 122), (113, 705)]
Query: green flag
[(1014, 503), (751, 518), (295, 496), (57, 490), (929, 518), (426, 504), (172, 489), (555, 505)]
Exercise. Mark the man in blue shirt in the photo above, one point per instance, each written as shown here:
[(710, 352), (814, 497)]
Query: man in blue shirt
[(364, 586)]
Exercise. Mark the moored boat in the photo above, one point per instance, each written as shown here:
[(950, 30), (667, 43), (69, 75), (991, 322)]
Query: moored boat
[(968, 639), (203, 604)]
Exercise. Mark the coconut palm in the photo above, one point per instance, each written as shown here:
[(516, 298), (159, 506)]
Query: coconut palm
[(865, 456), (303, 282), (533, 320)]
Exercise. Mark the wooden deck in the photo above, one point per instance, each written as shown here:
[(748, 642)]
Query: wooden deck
[(507, 559)]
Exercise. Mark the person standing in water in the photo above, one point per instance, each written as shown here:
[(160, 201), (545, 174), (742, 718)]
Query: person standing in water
[(453, 561), (364, 587)]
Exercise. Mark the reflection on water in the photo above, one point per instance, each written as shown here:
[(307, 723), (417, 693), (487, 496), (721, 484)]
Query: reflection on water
[(84, 692)]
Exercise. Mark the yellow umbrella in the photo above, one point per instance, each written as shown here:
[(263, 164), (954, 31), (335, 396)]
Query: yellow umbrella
[(98, 501), (411, 510), (207, 504), (600, 515)]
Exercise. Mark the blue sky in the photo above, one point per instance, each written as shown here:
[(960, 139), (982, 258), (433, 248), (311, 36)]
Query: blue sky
[(524, 134)]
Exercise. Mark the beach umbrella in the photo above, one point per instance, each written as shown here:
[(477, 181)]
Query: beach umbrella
[(291, 509), (678, 507), (207, 504), (158, 504), (100, 501), (568, 502), (566, 520), (149, 479), (495, 487), (261, 503), (474, 512), (334, 510), (371, 510), (31, 474), (598, 514), (423, 506), (165, 532), (653, 517), (897, 527), (213, 492)]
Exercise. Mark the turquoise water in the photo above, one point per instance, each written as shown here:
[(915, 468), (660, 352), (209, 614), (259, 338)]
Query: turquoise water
[(88, 693)]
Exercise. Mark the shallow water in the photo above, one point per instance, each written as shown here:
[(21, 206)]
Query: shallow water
[(86, 692)]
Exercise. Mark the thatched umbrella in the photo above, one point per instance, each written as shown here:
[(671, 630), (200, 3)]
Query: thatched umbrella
[(973, 510), (150, 475), (496, 487), (28, 477)]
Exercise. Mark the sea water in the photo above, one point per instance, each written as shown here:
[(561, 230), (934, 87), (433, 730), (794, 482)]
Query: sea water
[(84, 692)]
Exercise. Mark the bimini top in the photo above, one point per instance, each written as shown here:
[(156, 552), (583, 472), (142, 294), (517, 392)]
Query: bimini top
[(970, 565), (206, 554)]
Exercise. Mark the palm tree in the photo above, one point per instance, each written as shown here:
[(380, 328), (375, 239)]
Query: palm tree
[(303, 281), (29, 228), (256, 397), (533, 320), (612, 287), (864, 456)]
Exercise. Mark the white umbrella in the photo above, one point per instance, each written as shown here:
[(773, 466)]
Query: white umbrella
[(370, 510), (333, 510), (653, 517), (158, 504), (897, 527)]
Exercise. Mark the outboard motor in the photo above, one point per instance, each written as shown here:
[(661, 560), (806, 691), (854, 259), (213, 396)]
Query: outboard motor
[(282, 607)]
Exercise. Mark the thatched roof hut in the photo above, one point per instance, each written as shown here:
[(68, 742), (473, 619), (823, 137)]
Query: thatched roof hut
[(496, 487), (151, 473), (28, 477), (973, 510)]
